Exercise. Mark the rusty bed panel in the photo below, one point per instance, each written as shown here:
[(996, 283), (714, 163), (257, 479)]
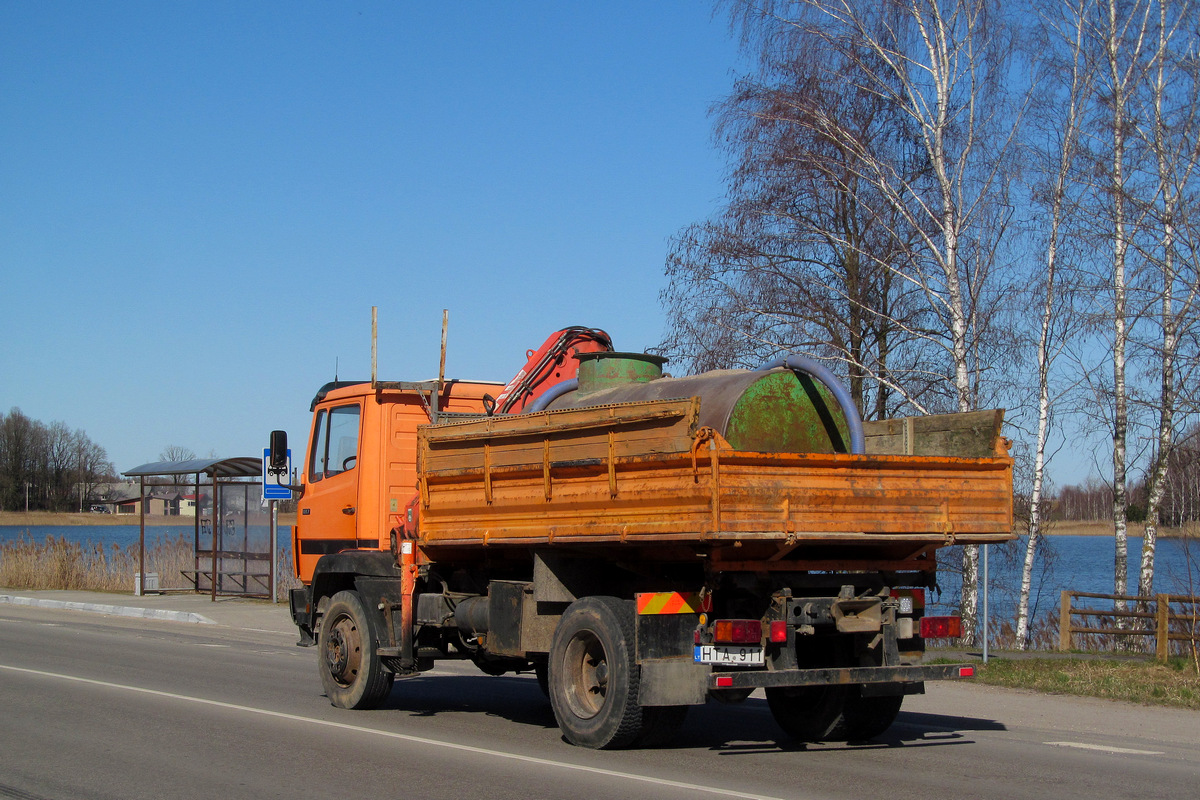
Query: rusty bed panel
[(644, 475)]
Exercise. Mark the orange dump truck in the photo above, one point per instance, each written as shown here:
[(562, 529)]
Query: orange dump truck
[(640, 543)]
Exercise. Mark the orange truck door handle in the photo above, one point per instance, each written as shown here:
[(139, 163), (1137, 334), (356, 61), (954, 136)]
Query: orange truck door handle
[(348, 511)]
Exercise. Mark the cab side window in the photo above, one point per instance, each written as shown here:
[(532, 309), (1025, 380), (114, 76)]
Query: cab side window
[(335, 446)]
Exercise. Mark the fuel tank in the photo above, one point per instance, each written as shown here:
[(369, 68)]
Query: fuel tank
[(775, 410)]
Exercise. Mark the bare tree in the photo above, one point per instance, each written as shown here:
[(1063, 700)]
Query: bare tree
[(40, 461), (17, 444), (941, 64), (1121, 31), (1170, 130), (1066, 83), (175, 452), (785, 266)]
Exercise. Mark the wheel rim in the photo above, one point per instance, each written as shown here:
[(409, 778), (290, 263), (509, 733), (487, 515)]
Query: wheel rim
[(586, 667), (343, 651)]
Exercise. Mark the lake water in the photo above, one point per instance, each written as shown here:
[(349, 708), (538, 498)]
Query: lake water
[(1080, 563), (1076, 563), (124, 535)]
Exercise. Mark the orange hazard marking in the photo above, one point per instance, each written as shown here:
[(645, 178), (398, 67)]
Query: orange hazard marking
[(670, 603)]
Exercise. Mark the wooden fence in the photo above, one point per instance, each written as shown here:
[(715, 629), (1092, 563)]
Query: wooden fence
[(1175, 618)]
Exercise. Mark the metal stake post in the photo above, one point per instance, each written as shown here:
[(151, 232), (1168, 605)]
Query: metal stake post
[(274, 550), (985, 604), (139, 588)]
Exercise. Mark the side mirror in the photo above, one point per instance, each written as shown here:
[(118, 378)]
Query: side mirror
[(279, 449)]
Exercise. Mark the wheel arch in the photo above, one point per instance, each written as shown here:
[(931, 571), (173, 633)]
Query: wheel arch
[(348, 570)]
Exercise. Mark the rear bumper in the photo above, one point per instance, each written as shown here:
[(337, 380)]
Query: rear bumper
[(755, 679)]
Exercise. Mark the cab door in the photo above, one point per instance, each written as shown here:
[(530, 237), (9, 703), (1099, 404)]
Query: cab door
[(327, 518)]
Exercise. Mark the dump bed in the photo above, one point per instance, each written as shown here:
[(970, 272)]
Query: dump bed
[(645, 475)]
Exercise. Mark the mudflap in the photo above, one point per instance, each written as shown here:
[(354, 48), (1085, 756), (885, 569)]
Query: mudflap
[(673, 682)]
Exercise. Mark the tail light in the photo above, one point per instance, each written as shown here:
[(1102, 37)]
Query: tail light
[(912, 601), (779, 631), (737, 631), (941, 627)]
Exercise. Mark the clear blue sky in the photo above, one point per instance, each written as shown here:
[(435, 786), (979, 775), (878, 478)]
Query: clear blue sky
[(201, 201)]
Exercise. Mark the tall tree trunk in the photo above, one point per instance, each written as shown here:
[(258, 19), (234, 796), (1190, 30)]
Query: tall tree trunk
[(1039, 458), (1077, 90), (1120, 504), (1176, 148)]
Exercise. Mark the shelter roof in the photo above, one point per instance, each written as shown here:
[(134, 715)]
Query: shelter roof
[(240, 467)]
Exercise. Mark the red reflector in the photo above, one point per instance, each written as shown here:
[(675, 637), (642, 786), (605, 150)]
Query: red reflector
[(966, 672), (941, 627), (724, 682), (779, 631), (737, 631), (918, 596)]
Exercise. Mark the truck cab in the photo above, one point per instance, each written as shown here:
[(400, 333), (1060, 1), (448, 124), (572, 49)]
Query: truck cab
[(360, 469)]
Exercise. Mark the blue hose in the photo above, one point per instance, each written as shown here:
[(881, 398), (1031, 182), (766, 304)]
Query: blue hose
[(552, 394), (822, 373)]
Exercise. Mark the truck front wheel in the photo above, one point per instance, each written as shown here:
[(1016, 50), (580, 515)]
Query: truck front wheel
[(347, 655), (593, 674)]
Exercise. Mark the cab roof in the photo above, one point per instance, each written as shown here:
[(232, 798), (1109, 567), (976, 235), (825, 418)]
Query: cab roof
[(392, 386)]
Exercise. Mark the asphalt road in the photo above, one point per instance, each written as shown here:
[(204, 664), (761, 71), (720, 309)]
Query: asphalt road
[(104, 707)]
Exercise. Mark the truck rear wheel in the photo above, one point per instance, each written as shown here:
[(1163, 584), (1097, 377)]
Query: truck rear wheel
[(593, 674), (807, 713), (866, 717), (347, 656), (832, 713)]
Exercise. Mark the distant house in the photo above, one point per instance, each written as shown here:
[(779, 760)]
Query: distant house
[(132, 505), (185, 505), (160, 503)]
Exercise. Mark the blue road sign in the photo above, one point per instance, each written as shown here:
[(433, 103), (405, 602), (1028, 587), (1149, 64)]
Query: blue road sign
[(272, 484)]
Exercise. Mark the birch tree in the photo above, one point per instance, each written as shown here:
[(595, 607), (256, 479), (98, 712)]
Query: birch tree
[(1169, 130), (1067, 82), (803, 256), (941, 65)]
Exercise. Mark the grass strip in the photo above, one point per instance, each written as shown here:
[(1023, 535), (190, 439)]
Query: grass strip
[(1175, 684)]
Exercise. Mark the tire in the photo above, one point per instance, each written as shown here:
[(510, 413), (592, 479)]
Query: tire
[(866, 717), (832, 713), (808, 713), (347, 656), (593, 674)]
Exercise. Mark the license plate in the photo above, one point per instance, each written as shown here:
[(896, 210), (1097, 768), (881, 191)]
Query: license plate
[(729, 654)]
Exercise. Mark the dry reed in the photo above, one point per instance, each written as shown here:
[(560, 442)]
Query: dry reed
[(58, 563)]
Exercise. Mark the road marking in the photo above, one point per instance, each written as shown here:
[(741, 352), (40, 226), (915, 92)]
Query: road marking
[(1105, 748), (608, 773)]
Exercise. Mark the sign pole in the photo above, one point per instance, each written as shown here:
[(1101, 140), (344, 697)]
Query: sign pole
[(274, 551), (274, 490)]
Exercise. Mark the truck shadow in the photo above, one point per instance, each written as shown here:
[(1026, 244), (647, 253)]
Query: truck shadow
[(515, 698), (748, 728), (729, 729)]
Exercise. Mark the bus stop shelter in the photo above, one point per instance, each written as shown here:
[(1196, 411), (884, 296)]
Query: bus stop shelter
[(236, 560)]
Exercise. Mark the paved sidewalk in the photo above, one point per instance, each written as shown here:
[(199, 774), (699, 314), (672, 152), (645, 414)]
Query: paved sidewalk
[(230, 612)]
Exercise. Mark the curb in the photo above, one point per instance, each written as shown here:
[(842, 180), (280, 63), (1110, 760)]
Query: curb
[(119, 611)]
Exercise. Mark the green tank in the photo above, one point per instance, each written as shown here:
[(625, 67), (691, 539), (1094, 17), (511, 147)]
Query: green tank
[(775, 410)]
